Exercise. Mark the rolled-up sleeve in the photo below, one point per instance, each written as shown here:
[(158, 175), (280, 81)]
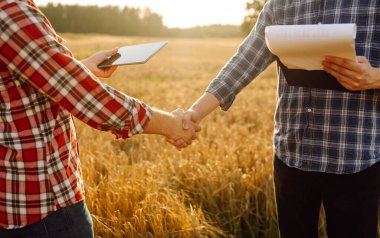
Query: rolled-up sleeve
[(252, 57), (34, 55)]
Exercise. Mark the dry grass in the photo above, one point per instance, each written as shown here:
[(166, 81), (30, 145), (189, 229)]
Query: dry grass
[(219, 187)]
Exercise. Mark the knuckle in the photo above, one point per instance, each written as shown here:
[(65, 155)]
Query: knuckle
[(355, 86), (361, 70), (345, 64)]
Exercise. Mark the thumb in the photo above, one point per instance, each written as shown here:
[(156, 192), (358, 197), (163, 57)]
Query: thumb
[(178, 112), (111, 52), (361, 59), (186, 120)]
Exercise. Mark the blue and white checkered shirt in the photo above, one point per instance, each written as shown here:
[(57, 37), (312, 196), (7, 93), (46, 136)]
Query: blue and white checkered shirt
[(315, 129)]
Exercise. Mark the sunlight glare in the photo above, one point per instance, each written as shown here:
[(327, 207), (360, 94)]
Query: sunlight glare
[(180, 13)]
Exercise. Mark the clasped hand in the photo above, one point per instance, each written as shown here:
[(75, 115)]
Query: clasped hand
[(182, 135), (179, 127), (189, 122)]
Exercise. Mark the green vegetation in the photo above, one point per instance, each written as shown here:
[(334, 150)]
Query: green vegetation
[(253, 9), (112, 20)]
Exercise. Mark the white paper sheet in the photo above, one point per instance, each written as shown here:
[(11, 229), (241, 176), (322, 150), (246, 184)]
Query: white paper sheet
[(305, 46)]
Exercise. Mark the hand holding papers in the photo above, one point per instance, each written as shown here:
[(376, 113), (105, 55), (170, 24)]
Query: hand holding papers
[(305, 46), (300, 50)]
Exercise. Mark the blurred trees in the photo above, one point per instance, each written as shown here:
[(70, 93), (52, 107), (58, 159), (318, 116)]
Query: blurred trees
[(125, 21), (107, 20), (138, 22), (253, 9), (222, 31)]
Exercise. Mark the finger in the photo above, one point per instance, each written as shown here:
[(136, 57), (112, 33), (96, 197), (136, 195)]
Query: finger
[(178, 112), (182, 146), (194, 137), (111, 52), (179, 142), (171, 141), (179, 149), (111, 70), (334, 73), (338, 60), (362, 59), (364, 64), (341, 70), (186, 120), (107, 72), (345, 81), (197, 128), (344, 63)]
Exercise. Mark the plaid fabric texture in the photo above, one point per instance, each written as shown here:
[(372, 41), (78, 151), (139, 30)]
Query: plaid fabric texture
[(315, 129), (41, 87)]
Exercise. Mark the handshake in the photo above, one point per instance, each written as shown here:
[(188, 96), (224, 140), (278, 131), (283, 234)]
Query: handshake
[(179, 127)]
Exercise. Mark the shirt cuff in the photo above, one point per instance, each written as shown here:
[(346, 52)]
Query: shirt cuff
[(224, 101), (139, 119)]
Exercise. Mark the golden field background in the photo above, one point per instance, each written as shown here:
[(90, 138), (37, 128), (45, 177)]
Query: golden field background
[(221, 186)]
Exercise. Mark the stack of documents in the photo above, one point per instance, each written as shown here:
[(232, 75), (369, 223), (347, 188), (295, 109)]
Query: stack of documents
[(305, 46)]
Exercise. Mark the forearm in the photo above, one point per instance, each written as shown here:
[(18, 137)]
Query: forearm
[(160, 124), (205, 105)]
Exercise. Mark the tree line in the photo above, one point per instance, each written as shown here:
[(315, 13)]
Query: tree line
[(105, 20), (253, 9), (129, 21)]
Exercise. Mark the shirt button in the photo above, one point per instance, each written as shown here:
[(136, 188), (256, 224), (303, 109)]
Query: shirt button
[(309, 110)]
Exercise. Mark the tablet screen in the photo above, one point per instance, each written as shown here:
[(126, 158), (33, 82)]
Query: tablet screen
[(133, 54)]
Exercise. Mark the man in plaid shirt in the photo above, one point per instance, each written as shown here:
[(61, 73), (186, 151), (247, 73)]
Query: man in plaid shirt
[(326, 142), (41, 87)]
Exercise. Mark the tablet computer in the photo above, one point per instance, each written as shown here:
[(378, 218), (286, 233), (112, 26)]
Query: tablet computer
[(133, 54)]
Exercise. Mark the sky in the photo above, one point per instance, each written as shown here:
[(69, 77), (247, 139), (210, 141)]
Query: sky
[(179, 13)]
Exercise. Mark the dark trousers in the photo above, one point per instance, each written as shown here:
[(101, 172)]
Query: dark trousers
[(70, 222), (351, 202)]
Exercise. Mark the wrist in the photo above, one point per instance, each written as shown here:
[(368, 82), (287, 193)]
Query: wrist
[(204, 106), (376, 73), (160, 123), (196, 112), (85, 62)]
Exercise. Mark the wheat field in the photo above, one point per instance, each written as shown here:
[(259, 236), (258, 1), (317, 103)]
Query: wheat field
[(221, 186)]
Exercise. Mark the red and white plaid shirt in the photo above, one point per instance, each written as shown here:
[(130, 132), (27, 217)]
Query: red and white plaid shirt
[(41, 87)]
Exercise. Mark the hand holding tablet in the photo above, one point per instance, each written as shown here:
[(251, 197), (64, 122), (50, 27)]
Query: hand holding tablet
[(133, 54)]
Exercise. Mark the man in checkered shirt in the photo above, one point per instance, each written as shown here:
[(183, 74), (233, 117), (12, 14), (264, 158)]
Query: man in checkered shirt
[(326, 142), (41, 87)]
